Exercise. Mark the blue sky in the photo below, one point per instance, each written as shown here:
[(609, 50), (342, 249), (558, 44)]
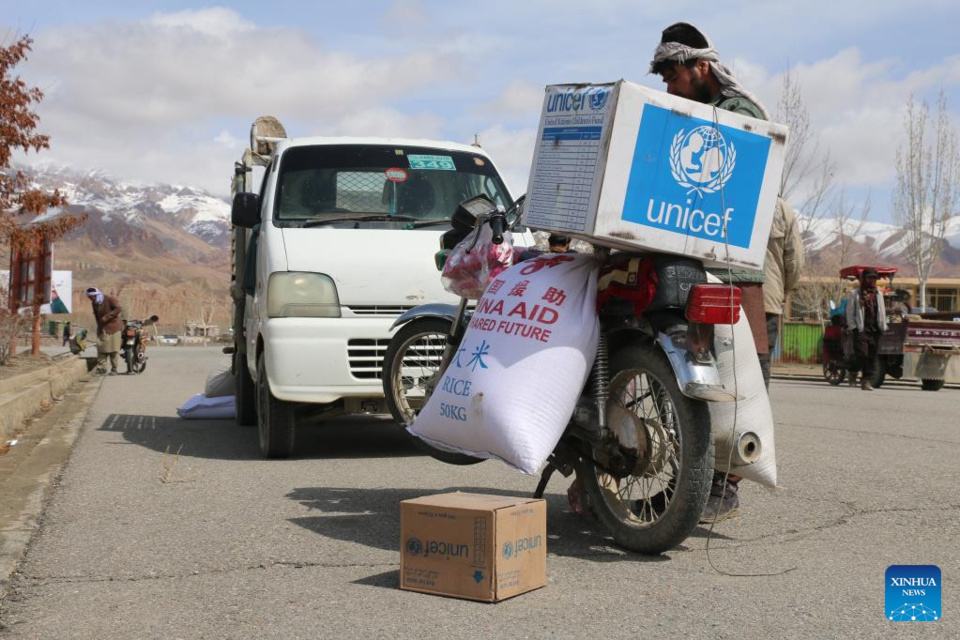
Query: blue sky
[(165, 91)]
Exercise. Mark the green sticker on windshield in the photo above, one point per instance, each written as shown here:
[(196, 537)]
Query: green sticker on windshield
[(442, 163)]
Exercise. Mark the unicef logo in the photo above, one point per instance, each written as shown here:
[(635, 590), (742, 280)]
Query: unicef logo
[(414, 547), (507, 549), (702, 160), (598, 99)]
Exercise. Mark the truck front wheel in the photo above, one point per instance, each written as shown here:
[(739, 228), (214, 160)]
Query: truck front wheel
[(276, 418)]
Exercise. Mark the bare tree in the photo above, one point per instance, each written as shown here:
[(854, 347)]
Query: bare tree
[(928, 186), (808, 169), (844, 221)]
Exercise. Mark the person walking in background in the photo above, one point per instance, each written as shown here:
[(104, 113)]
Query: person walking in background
[(106, 311), (66, 334), (867, 318)]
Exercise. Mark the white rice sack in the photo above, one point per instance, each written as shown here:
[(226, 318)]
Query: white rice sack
[(751, 414), (514, 382), (200, 407), (220, 381)]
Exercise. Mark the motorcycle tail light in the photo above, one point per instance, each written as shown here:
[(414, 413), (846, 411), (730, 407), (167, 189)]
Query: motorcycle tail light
[(130, 333), (714, 304)]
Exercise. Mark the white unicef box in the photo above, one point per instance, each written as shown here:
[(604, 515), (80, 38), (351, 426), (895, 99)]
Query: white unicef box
[(632, 168)]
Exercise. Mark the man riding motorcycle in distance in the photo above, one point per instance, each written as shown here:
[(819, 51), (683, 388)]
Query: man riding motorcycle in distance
[(691, 68)]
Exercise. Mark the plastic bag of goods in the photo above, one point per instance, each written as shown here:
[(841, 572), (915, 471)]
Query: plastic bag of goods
[(514, 381), (200, 407), (746, 426), (221, 381), (475, 261)]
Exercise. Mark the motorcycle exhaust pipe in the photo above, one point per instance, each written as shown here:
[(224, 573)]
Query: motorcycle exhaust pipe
[(746, 450)]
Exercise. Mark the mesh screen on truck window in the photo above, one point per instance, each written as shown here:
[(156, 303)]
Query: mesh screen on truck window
[(337, 180)]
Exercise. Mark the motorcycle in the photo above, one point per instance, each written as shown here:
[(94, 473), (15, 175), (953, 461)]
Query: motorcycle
[(78, 342), (134, 344), (640, 439)]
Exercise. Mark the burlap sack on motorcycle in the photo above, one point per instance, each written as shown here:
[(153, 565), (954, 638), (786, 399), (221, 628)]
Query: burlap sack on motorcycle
[(740, 373), (514, 381)]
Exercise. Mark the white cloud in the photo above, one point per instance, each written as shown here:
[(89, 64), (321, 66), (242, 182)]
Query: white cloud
[(856, 106), (384, 121), (512, 152), (147, 100), (517, 98), (217, 21)]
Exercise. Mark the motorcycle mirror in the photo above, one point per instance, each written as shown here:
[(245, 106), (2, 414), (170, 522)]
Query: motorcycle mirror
[(465, 217), (151, 320)]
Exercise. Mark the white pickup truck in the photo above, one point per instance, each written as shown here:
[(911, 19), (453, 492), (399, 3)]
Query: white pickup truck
[(333, 239)]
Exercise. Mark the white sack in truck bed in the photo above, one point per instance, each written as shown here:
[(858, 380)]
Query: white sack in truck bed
[(515, 379)]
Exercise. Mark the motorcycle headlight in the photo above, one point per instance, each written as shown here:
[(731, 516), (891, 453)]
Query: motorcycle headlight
[(298, 294)]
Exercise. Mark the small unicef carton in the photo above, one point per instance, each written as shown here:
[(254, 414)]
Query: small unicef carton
[(628, 167), (473, 546)]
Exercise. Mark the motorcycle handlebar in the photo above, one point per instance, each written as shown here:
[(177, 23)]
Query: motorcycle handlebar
[(497, 225)]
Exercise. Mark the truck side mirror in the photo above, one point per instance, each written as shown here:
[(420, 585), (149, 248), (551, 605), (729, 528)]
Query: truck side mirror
[(245, 211)]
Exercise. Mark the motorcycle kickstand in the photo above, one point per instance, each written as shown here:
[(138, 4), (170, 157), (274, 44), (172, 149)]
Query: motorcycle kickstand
[(544, 479)]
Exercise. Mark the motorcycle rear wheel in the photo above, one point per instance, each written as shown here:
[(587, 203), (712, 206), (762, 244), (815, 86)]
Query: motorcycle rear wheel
[(658, 504), (834, 374), (128, 360), (411, 363)]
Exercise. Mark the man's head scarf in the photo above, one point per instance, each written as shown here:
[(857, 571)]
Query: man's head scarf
[(683, 42), (96, 294)]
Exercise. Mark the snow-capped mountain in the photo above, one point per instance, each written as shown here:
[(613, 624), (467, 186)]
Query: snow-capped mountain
[(162, 248), (876, 241), (112, 201)]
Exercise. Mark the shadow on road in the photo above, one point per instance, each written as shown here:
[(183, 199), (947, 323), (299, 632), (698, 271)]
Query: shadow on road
[(360, 437), (371, 517)]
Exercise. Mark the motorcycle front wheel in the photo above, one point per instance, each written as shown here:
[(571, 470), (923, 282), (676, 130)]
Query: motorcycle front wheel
[(656, 504), (411, 366), (140, 362)]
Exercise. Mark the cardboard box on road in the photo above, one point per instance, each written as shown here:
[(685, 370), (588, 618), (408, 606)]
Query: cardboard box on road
[(633, 168), (474, 546)]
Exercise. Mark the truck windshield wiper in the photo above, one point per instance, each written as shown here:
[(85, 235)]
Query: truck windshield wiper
[(356, 217), (430, 222)]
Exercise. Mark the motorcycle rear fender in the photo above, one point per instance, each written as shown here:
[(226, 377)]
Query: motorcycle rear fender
[(436, 310), (697, 378)]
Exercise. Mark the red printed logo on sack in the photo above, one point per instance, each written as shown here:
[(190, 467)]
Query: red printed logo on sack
[(540, 263)]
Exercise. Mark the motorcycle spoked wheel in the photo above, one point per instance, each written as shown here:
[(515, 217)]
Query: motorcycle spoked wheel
[(657, 504), (140, 362), (833, 374), (411, 366)]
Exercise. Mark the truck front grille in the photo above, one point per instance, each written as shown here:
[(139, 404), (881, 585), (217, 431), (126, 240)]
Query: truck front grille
[(379, 310), (365, 356)]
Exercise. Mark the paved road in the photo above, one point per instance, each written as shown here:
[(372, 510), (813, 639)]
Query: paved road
[(231, 546)]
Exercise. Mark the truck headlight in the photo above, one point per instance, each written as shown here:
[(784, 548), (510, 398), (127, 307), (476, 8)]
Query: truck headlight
[(302, 295)]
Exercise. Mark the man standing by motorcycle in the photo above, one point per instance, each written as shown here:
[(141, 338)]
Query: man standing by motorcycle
[(691, 68), (106, 311), (867, 318)]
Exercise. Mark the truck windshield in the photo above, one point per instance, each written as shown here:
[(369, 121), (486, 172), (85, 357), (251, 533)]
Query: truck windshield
[(346, 183)]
